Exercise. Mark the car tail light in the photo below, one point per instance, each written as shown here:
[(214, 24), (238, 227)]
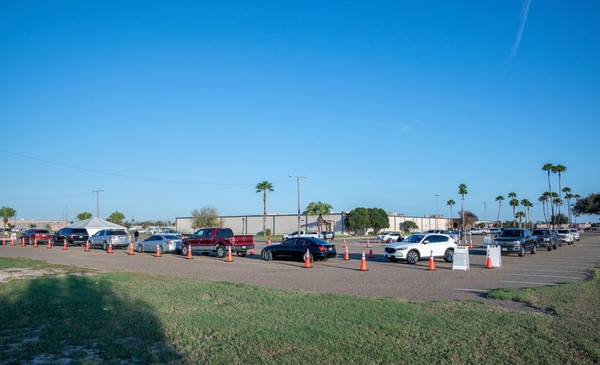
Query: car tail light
[(322, 248)]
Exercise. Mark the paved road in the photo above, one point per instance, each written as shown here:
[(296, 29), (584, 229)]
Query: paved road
[(383, 278)]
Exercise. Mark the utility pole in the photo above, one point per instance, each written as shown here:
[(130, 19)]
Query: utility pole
[(436, 210), (97, 201), (298, 188)]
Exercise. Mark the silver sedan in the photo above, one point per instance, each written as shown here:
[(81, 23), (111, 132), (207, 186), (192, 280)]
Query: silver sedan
[(164, 242)]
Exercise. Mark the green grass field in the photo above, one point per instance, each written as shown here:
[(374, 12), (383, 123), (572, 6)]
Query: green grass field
[(121, 318)]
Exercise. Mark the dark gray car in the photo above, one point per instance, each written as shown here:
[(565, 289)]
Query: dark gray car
[(547, 238), (517, 240)]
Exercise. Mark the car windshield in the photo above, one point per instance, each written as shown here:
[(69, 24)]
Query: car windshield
[(541, 232), (511, 233), (117, 233), (563, 231), (415, 238)]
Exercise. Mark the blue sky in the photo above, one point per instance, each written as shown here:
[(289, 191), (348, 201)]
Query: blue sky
[(172, 106)]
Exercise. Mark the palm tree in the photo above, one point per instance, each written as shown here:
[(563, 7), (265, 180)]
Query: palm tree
[(543, 199), (83, 216), (514, 203), (548, 168), (264, 187), (318, 208), (520, 214), (450, 203), (499, 199), (527, 204), (7, 213), (568, 196), (559, 169), (462, 190)]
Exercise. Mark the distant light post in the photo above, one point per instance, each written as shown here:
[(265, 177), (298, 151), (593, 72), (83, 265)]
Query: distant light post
[(64, 216), (485, 213), (298, 188), (436, 210), (97, 201)]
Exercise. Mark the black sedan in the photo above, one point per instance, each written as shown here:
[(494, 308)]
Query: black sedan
[(547, 238), (295, 248)]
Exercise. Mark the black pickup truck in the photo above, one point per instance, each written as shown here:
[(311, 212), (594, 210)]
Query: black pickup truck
[(516, 240)]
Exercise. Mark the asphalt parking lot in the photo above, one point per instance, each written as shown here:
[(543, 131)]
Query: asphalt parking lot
[(383, 278)]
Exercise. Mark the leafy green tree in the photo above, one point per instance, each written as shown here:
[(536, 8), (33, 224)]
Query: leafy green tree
[(83, 216), (263, 187), (499, 199), (450, 203), (358, 220), (7, 213), (462, 190), (378, 219), (409, 226), (470, 218), (208, 216), (116, 217), (318, 208), (588, 205), (561, 219)]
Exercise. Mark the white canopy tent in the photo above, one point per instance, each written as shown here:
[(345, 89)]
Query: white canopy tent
[(93, 225)]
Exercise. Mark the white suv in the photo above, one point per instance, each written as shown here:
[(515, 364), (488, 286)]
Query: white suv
[(565, 236), (390, 237), (420, 246), (574, 233)]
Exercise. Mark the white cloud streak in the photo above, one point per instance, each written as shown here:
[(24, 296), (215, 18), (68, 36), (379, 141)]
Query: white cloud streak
[(522, 22)]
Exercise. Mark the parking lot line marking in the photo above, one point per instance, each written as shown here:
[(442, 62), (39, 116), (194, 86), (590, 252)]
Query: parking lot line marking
[(527, 282), (471, 290), (545, 276), (561, 271)]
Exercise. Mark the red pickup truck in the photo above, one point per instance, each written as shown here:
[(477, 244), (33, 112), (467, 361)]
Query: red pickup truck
[(219, 240)]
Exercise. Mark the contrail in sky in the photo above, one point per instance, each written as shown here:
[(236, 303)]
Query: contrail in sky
[(522, 21)]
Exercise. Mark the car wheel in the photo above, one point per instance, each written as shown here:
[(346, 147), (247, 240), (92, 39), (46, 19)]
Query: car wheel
[(522, 251), (549, 247), (267, 255), (555, 246), (184, 250), (104, 246), (412, 257), (241, 253), (140, 249), (221, 251), (393, 259), (449, 255), (390, 240), (533, 249)]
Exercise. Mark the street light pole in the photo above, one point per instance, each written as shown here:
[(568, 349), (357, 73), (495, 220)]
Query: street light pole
[(64, 217), (97, 201), (298, 188), (485, 213), (436, 210)]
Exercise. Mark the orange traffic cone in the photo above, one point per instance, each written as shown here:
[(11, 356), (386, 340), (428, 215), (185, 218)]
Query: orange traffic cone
[(35, 243), (49, 245), (488, 261), (345, 245), (12, 241), (371, 253), (431, 262), (251, 252), (363, 263), (189, 254), (346, 254), (131, 252), (368, 243), (229, 257), (110, 249), (3, 241), (470, 242), (269, 241), (87, 247), (307, 261), (158, 250), (65, 244)]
